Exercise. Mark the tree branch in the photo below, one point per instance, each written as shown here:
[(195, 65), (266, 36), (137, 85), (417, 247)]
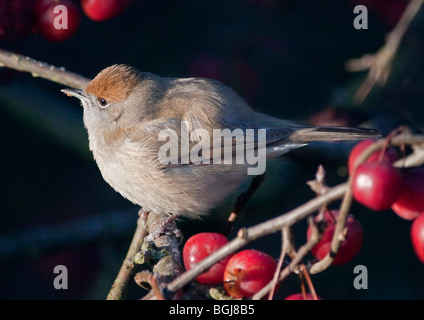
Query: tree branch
[(42, 70), (265, 228), (380, 63), (297, 259), (120, 285)]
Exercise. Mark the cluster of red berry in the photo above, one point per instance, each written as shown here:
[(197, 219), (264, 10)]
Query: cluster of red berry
[(19, 18), (246, 272), (243, 274), (376, 183), (379, 185)]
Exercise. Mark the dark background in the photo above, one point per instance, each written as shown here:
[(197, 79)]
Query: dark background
[(286, 58)]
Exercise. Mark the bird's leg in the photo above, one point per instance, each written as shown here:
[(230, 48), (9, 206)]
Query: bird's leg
[(242, 201), (161, 228)]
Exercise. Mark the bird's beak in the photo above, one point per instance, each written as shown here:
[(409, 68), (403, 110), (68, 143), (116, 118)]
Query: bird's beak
[(75, 93)]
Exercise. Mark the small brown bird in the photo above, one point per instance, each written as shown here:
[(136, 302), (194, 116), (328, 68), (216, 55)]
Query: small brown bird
[(153, 138)]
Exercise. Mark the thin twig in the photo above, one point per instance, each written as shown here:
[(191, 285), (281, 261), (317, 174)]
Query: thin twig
[(147, 277), (120, 284), (318, 185), (42, 70), (309, 282), (297, 258), (285, 247), (380, 63), (340, 225)]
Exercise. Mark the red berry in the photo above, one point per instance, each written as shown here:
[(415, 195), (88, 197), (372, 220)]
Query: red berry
[(101, 10), (377, 185), (390, 155), (417, 237), (410, 202), (247, 272), (349, 247), (299, 296), (198, 247), (59, 25)]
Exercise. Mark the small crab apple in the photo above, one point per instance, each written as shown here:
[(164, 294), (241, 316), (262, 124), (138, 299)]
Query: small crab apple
[(388, 155), (349, 247), (101, 10), (377, 185), (417, 236), (198, 247), (410, 203), (247, 272)]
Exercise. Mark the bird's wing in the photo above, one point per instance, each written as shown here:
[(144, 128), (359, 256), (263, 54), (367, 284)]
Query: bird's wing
[(187, 142)]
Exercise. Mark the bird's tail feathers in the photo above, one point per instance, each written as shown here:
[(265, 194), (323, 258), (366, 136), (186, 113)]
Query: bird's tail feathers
[(318, 133)]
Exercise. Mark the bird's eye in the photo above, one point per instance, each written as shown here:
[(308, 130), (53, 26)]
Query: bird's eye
[(102, 102)]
